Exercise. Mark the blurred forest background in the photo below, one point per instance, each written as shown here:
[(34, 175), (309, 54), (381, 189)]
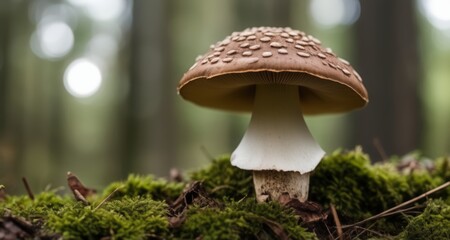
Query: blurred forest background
[(89, 86)]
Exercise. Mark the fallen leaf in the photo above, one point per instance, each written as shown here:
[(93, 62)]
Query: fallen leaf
[(308, 211), (194, 193), (75, 184), (276, 229)]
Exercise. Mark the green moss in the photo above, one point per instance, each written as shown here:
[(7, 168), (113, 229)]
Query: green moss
[(242, 220), (350, 182), (128, 218), (145, 186), (32, 210), (442, 168), (346, 179), (221, 179), (442, 171), (421, 182), (433, 223)]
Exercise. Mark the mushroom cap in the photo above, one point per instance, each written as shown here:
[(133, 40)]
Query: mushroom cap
[(225, 77)]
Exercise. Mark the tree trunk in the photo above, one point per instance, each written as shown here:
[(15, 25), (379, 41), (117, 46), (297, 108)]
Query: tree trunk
[(257, 13), (4, 53), (150, 129), (387, 56), (6, 152)]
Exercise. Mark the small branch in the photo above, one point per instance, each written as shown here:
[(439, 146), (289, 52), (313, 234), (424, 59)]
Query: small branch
[(107, 198), (218, 188), (328, 229), (367, 230), (337, 222), (380, 149), (27, 187), (206, 153), (403, 210), (382, 214)]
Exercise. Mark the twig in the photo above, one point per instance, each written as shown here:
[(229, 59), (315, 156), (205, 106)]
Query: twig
[(380, 149), (220, 188), (206, 153), (337, 221), (328, 229), (27, 187), (382, 214), (367, 230), (403, 210), (107, 198)]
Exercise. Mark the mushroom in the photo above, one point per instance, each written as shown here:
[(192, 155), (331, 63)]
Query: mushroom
[(278, 74)]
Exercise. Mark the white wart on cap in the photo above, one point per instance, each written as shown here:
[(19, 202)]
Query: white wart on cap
[(279, 74)]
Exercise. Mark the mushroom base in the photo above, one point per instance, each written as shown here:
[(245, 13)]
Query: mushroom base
[(270, 185)]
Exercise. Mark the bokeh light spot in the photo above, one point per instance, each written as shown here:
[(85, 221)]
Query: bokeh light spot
[(437, 12), (103, 45), (330, 13), (82, 78), (101, 10), (52, 40)]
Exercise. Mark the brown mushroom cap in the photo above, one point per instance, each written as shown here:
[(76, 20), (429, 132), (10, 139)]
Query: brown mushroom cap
[(225, 77)]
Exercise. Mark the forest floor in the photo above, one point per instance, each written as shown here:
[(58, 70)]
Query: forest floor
[(350, 198)]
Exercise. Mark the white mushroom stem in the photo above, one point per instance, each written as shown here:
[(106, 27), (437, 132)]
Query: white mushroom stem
[(277, 145)]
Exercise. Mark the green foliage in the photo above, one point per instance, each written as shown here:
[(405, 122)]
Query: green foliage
[(145, 186), (221, 179), (128, 218), (242, 220), (433, 223)]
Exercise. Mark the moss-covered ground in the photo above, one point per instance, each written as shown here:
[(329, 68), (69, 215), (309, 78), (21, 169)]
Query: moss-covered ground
[(218, 203)]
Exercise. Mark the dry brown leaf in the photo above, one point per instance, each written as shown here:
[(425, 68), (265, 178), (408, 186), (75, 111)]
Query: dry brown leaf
[(75, 184), (308, 211)]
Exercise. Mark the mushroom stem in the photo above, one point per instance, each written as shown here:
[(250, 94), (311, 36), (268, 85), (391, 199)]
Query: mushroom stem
[(273, 184), (277, 145)]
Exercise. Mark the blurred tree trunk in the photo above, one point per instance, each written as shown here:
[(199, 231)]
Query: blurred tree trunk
[(6, 159), (257, 13), (4, 43), (387, 54), (12, 139), (25, 100), (149, 142)]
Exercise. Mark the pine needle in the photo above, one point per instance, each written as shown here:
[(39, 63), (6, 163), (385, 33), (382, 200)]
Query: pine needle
[(387, 212), (107, 198), (337, 222)]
